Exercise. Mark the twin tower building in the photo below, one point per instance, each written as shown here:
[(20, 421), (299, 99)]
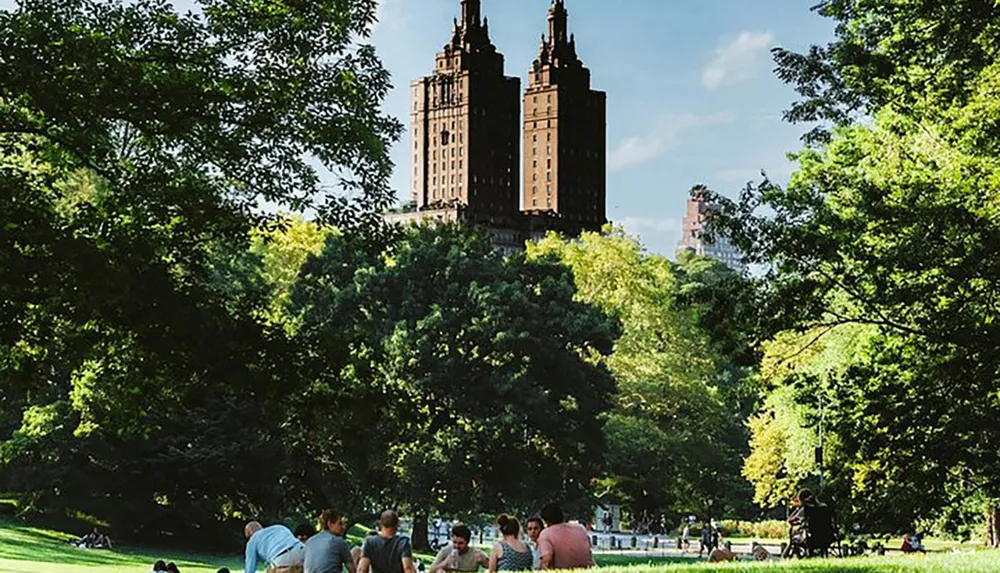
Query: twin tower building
[(465, 127)]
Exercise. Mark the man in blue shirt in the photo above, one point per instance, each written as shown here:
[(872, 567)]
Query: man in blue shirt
[(274, 545)]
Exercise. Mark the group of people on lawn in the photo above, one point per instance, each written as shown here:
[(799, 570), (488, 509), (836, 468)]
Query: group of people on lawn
[(551, 543), (93, 540)]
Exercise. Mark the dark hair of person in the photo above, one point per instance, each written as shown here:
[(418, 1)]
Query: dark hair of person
[(461, 530), (305, 530), (807, 497), (327, 517), (160, 566), (172, 568), (389, 519), (223, 570), (508, 524), (535, 519), (552, 514), (372, 533)]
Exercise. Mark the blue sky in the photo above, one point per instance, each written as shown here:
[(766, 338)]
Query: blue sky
[(691, 93)]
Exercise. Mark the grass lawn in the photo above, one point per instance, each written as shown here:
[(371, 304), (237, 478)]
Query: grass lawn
[(26, 549)]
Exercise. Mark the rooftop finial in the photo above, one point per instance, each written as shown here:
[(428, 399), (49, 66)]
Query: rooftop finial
[(471, 9)]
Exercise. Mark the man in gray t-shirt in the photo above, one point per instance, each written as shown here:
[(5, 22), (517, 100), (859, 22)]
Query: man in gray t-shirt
[(327, 552), (387, 552)]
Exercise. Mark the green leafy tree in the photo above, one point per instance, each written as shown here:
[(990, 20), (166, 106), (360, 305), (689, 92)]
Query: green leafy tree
[(892, 224), (475, 381), (674, 443), (136, 145)]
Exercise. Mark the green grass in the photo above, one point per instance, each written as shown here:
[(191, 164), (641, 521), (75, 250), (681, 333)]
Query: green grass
[(978, 562), (26, 549)]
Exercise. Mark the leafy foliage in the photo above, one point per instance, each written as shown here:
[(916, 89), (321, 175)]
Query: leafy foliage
[(135, 147), (893, 224), (463, 364), (673, 441)]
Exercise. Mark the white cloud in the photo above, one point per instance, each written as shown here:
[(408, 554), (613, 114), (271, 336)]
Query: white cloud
[(736, 60), (664, 136)]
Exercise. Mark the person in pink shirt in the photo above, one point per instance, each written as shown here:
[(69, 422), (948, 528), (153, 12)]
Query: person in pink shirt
[(563, 545)]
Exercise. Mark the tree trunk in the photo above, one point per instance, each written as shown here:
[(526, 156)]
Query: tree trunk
[(992, 527), (418, 537)]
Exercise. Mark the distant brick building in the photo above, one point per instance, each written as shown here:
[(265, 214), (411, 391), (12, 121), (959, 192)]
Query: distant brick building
[(565, 155), (465, 129), (464, 124), (696, 225)]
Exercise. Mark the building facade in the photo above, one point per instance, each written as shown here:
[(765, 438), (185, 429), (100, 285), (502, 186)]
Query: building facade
[(695, 227), (565, 155), (466, 135), (464, 124)]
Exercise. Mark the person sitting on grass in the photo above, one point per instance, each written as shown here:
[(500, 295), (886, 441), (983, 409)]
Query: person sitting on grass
[(798, 522), (720, 554), (159, 567), (759, 552), (510, 553), (327, 552), (912, 544), (459, 555), (171, 568), (533, 527), (103, 542), (563, 545), (387, 552), (89, 541), (274, 545)]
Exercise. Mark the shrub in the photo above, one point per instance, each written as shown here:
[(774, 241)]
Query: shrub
[(769, 529)]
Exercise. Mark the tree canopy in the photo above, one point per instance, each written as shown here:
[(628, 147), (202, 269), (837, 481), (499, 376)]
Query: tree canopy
[(674, 439), (892, 223)]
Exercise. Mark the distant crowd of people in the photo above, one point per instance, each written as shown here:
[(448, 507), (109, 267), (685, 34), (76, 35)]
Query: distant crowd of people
[(546, 542)]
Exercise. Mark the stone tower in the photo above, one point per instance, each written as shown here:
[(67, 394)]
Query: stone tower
[(565, 126), (464, 124)]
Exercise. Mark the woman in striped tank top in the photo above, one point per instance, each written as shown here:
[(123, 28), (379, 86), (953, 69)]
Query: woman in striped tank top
[(510, 553)]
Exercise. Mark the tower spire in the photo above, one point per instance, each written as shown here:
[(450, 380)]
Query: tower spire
[(557, 23), (471, 10)]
